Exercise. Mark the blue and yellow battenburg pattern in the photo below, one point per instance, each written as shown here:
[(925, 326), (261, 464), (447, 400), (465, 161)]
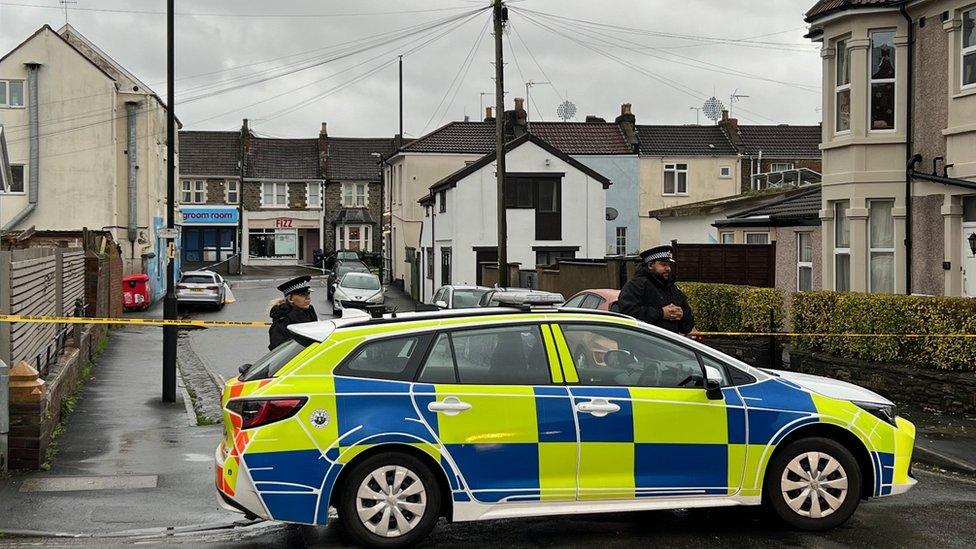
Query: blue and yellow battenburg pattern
[(529, 444)]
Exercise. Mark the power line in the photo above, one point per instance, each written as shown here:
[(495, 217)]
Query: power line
[(536, 61), (458, 79), (244, 15)]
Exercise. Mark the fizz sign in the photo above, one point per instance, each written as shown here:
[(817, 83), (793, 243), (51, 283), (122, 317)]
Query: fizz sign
[(284, 223)]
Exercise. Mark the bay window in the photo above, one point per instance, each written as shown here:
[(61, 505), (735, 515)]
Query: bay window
[(968, 52), (882, 80), (881, 246), (842, 88), (842, 247), (354, 237)]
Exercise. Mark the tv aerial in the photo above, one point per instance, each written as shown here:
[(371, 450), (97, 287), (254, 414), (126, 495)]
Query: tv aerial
[(713, 108), (734, 98), (566, 110)]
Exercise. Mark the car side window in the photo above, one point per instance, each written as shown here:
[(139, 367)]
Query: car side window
[(592, 302), (509, 355), (439, 367), (611, 356), (716, 370), (574, 302), (395, 358)]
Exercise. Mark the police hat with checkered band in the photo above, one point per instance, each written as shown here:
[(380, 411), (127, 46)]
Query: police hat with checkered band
[(296, 285), (660, 253)]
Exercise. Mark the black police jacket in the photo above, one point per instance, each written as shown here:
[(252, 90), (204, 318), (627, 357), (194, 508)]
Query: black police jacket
[(644, 297), (282, 316)]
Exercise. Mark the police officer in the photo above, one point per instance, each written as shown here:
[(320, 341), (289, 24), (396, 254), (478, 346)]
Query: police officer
[(652, 295), (294, 308)]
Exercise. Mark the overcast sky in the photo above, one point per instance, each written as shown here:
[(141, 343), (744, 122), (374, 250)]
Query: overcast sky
[(663, 56)]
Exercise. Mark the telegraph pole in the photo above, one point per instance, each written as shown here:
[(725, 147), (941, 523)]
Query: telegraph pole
[(500, 13), (169, 302)]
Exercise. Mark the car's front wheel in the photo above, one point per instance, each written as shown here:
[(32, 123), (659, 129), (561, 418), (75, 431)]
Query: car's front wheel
[(389, 500), (813, 484)]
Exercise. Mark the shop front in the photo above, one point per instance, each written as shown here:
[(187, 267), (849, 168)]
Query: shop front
[(209, 234), (282, 238)]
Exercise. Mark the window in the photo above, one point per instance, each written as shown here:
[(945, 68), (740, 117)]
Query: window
[(273, 243), (354, 195), (620, 246), (313, 195), (194, 191), (725, 172), (268, 365), (540, 193), (757, 238), (274, 195), (842, 87), (445, 266), (12, 93), (611, 356), (804, 262), (354, 237), (842, 247), (551, 257), (233, 189), (467, 299), (17, 173), (575, 301), (442, 202), (430, 263), (675, 179), (548, 196), (968, 61), (881, 246), (882, 80), (511, 355), (727, 238), (396, 358), (592, 302), (780, 166)]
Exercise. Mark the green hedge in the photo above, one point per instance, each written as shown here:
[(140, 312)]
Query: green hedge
[(837, 313), (730, 308)]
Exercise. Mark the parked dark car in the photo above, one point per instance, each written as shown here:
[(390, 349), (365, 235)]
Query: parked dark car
[(335, 258), (341, 269)]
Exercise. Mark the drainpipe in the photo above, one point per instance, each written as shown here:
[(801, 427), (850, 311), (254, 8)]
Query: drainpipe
[(908, 148), (35, 153), (133, 226)]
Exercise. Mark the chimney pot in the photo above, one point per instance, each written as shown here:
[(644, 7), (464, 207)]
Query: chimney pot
[(488, 115), (519, 104), (325, 129), (725, 115), (625, 109)]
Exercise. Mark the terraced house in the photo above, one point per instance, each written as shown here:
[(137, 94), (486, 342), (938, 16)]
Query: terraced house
[(899, 145)]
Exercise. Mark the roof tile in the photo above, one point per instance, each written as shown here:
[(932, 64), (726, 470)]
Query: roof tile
[(209, 153), (575, 138), (784, 141), (689, 140), (351, 159), (826, 7), (283, 158)]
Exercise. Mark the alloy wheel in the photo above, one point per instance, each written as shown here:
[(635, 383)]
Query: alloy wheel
[(814, 484), (391, 501)]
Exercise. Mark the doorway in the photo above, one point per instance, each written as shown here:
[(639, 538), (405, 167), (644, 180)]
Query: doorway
[(485, 256), (968, 261)]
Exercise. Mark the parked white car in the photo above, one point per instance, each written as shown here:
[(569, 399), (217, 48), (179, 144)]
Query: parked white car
[(458, 297), (201, 288), (357, 290)]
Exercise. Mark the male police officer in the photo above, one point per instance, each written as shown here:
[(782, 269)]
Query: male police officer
[(652, 296)]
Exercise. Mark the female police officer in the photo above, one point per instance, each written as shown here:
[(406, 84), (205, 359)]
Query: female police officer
[(294, 308)]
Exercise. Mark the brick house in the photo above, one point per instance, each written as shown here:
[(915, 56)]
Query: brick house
[(899, 145), (354, 192), (209, 196)]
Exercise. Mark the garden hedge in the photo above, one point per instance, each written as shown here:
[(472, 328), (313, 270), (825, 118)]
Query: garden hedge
[(838, 313), (730, 308)]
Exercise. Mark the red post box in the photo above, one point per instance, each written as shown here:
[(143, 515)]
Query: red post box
[(135, 292)]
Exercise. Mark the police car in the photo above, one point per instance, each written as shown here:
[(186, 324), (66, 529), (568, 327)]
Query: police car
[(486, 414)]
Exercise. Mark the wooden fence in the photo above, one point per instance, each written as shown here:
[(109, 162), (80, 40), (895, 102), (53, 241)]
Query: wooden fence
[(38, 281), (744, 264)]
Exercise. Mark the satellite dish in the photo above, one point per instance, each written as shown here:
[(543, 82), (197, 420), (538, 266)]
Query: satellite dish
[(713, 108), (612, 214), (566, 110)]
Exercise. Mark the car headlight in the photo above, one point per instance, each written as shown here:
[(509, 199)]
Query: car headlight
[(338, 294), (376, 298), (885, 412)]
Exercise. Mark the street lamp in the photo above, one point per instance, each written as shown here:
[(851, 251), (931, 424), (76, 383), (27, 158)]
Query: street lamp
[(972, 243)]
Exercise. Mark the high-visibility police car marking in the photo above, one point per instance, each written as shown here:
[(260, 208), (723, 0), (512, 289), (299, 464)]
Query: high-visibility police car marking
[(551, 446)]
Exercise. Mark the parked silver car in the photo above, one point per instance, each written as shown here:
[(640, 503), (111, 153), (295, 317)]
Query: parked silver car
[(201, 288), (458, 297), (356, 290)]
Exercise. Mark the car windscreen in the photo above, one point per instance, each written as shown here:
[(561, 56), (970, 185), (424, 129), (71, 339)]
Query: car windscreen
[(360, 281), (467, 298), (270, 363), (345, 256), (197, 279), (351, 268)]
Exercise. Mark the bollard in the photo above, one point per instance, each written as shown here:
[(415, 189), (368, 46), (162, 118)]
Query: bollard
[(4, 414)]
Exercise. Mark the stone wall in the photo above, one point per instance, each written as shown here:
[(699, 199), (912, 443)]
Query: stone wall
[(945, 391), (251, 195), (754, 351)]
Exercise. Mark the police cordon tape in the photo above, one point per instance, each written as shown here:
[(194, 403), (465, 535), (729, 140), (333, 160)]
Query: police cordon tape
[(29, 319)]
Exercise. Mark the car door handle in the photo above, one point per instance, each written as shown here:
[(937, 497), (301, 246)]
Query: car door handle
[(597, 407), (450, 406)]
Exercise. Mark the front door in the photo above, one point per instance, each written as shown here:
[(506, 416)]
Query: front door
[(646, 425), (508, 431), (484, 257), (968, 261)]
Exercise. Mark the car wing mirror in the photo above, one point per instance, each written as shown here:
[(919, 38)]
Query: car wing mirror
[(713, 389), (244, 368), (441, 304)]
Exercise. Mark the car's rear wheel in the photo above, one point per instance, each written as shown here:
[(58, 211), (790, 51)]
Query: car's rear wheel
[(813, 484), (389, 500)]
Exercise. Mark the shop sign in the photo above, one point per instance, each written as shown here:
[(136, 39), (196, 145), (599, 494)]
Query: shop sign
[(209, 215)]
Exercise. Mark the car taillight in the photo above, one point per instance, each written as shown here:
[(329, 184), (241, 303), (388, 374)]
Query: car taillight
[(213, 287), (258, 412), (181, 286)]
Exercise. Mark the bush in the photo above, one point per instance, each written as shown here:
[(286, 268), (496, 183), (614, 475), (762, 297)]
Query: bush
[(730, 308), (854, 313)]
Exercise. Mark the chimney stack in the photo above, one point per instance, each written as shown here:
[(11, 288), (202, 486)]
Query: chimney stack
[(488, 114), (628, 126), (323, 150), (730, 124), (518, 119), (324, 132)]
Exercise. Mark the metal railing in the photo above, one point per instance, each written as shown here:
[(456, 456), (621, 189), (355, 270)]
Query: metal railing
[(795, 177), (56, 347)]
